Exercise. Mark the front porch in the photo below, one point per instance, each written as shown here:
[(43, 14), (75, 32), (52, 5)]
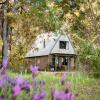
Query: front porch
[(61, 62)]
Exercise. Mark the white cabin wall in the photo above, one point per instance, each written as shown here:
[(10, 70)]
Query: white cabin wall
[(56, 48)]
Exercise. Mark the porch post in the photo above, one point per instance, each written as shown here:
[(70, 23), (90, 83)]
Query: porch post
[(59, 64), (35, 61), (56, 62), (48, 67), (68, 63)]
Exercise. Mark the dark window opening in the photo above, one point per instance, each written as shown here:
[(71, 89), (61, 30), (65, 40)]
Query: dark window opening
[(63, 44)]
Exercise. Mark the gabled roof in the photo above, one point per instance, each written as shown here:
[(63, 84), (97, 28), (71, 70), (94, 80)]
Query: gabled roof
[(51, 45)]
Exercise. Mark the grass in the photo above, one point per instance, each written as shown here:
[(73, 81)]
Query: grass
[(86, 88)]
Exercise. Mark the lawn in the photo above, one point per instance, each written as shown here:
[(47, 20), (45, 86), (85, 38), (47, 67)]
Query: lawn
[(83, 87)]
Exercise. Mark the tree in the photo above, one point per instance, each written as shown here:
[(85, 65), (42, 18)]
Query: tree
[(5, 33)]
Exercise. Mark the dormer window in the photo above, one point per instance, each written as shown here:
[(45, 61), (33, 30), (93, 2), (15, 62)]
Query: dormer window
[(63, 44)]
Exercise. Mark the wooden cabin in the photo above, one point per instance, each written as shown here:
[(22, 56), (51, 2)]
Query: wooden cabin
[(52, 52)]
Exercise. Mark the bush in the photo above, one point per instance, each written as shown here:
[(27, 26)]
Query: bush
[(89, 55)]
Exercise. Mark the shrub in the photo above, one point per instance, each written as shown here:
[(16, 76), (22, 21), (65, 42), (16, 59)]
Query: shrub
[(89, 55)]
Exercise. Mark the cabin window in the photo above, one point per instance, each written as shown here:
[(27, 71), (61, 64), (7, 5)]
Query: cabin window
[(63, 44)]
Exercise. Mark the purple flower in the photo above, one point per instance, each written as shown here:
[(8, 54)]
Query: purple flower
[(13, 82), (68, 85), (43, 95), (68, 96), (35, 97), (1, 98), (25, 86), (34, 87), (59, 95), (63, 78), (19, 80), (2, 82), (16, 90), (9, 80), (5, 62), (34, 69)]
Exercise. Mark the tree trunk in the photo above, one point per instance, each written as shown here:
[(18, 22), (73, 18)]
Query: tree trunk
[(5, 37)]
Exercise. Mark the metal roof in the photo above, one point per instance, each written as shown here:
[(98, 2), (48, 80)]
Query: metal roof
[(51, 45)]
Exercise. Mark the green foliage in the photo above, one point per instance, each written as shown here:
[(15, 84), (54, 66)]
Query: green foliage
[(90, 55)]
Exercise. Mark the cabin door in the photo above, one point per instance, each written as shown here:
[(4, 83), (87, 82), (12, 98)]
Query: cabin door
[(63, 63)]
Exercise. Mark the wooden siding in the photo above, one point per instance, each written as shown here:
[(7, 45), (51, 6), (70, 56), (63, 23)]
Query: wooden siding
[(45, 61), (39, 61)]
